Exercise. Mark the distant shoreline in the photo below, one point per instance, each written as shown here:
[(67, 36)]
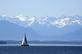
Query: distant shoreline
[(42, 42)]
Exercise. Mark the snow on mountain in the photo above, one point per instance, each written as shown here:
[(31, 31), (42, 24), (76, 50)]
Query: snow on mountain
[(54, 28), (58, 22)]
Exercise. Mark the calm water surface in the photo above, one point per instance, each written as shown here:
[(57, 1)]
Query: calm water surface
[(41, 50)]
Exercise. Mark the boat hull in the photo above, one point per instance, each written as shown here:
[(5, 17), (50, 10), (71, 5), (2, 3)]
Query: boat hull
[(24, 45)]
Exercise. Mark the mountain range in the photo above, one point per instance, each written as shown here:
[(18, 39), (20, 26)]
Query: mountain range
[(65, 28)]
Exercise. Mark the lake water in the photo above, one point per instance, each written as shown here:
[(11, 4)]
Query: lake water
[(41, 49), (43, 44)]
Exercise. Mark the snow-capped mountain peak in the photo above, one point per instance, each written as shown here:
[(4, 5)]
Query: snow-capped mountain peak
[(58, 22)]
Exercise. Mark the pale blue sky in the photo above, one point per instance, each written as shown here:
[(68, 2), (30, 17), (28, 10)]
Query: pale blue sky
[(40, 7)]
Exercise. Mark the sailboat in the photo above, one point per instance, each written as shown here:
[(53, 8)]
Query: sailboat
[(24, 41)]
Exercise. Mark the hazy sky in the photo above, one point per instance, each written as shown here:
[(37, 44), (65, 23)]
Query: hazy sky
[(40, 7)]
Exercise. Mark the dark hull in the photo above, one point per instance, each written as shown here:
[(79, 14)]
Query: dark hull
[(24, 45)]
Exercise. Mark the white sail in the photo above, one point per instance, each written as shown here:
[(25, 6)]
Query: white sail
[(24, 41)]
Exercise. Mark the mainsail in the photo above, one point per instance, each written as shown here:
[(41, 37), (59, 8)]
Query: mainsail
[(24, 41)]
